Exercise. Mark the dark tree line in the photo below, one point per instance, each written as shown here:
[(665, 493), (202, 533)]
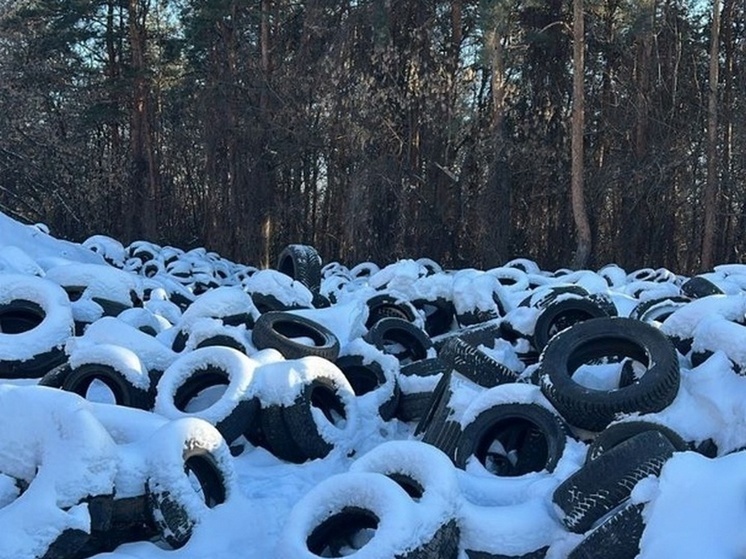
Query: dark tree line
[(381, 129)]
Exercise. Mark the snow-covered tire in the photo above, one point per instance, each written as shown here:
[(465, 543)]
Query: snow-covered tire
[(531, 439), (277, 330), (302, 263), (424, 472), (177, 449), (370, 377), (325, 413), (35, 322), (385, 305), (124, 391), (235, 409), (594, 409), (657, 309), (604, 483), (698, 287), (394, 331), (617, 433), (67, 545), (344, 510), (474, 364), (617, 537)]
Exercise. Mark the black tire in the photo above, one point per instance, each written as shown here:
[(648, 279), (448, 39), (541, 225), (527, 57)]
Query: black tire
[(617, 537), (474, 364), (333, 396), (657, 309), (480, 334), (395, 331), (384, 305), (559, 315), (125, 393), (606, 482), (277, 329), (617, 433), (540, 553), (302, 263), (531, 438), (67, 545), (35, 322), (698, 287), (188, 446), (439, 314), (275, 436), (437, 426), (56, 377), (602, 337), (412, 406), (367, 377)]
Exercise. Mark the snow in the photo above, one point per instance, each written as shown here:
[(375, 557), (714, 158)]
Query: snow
[(58, 449)]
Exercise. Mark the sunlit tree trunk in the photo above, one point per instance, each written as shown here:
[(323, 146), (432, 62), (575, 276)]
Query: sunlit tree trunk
[(579, 211), (711, 186)]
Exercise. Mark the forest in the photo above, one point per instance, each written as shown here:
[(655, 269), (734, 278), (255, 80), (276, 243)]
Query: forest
[(572, 132)]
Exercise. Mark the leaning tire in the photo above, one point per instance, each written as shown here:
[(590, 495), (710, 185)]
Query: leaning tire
[(178, 449), (399, 338), (474, 364), (277, 330), (604, 483), (617, 433), (302, 263), (594, 409), (617, 537), (370, 379)]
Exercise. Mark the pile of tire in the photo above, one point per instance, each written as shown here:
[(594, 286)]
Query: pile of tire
[(508, 373)]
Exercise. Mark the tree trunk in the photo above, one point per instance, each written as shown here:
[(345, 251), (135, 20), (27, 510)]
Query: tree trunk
[(711, 186), (579, 212), (144, 173)]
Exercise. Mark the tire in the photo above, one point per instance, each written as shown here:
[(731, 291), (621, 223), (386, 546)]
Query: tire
[(439, 314), (35, 323), (125, 392), (390, 332), (698, 287), (532, 439), (604, 483), (278, 328), (233, 412), (323, 388), (369, 377), (657, 309), (593, 409), (387, 306), (618, 537), (302, 263), (617, 433), (536, 554), (480, 334), (276, 438), (178, 448), (333, 515), (67, 545), (437, 426), (130, 522), (559, 315), (474, 364)]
